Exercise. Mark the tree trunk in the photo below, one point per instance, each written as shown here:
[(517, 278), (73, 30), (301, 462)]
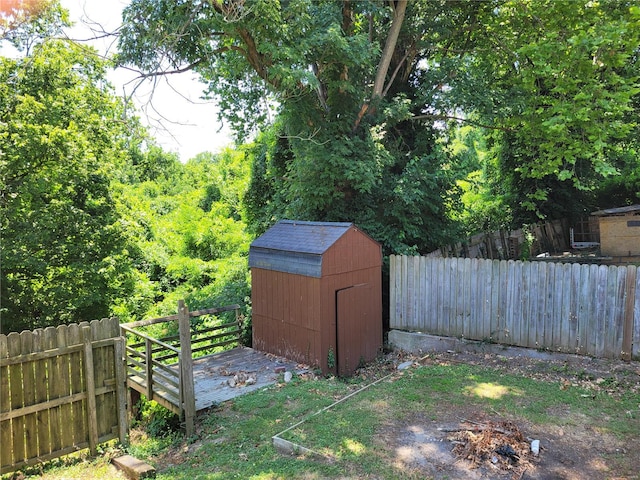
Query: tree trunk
[(385, 60)]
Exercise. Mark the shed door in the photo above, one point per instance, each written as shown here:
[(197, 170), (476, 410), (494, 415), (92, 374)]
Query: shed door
[(356, 335)]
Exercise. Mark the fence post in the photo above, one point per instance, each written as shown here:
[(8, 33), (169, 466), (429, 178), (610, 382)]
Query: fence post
[(121, 387), (92, 419), (186, 369), (630, 298), (148, 361)]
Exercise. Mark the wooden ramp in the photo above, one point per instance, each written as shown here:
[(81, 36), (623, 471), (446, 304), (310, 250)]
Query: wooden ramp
[(213, 375)]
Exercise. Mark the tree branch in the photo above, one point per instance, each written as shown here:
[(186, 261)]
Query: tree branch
[(394, 74), (321, 91), (347, 17), (306, 139), (258, 61), (237, 9), (162, 73), (389, 47)]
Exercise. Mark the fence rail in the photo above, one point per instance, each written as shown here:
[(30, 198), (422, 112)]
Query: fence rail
[(64, 388), (61, 390), (585, 309)]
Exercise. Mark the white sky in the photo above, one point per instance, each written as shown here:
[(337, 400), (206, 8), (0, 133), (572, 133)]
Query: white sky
[(179, 120)]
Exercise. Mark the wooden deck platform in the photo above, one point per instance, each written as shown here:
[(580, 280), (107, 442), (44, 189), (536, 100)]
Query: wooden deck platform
[(211, 374), (214, 376), (164, 370)]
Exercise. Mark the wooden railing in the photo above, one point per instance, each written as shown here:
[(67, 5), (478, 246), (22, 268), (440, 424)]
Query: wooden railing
[(162, 368), (148, 363)]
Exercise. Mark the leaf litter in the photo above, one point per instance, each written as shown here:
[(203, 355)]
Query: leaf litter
[(497, 445)]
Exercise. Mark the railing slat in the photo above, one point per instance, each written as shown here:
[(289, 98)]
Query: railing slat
[(187, 390), (149, 367)]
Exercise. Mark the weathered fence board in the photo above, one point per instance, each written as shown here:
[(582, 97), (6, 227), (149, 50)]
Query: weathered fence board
[(636, 314), (507, 244), (585, 309), (15, 385), (5, 427), (59, 392)]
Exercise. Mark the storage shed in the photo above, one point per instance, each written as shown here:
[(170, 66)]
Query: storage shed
[(316, 291), (619, 231)]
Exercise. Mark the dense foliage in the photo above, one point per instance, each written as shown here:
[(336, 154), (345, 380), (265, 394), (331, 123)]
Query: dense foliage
[(368, 96), (559, 84), (97, 220), (63, 250), (186, 232), (418, 120), (351, 155)]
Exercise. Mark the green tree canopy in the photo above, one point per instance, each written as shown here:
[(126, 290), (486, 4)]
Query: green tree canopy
[(337, 74), (25, 23), (186, 232), (364, 90), (558, 81), (62, 131), (96, 218)]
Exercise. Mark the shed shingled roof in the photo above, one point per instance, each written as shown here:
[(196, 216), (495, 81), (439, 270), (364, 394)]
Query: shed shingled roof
[(295, 246), (302, 237)]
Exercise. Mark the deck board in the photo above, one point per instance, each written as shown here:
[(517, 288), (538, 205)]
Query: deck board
[(211, 374)]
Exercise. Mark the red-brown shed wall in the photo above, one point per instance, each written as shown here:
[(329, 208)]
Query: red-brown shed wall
[(286, 315), (353, 251), (295, 315)]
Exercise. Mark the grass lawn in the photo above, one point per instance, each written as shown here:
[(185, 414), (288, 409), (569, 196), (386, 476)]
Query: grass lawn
[(586, 418)]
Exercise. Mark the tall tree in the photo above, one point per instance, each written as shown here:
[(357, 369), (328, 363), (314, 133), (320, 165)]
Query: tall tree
[(363, 91), (62, 132), (339, 76)]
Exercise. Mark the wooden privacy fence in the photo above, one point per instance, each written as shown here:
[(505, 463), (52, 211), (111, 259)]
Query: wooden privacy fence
[(162, 368), (551, 236), (585, 309), (61, 389)]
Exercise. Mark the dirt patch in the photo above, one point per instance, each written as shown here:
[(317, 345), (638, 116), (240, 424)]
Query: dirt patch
[(424, 447), (576, 450)]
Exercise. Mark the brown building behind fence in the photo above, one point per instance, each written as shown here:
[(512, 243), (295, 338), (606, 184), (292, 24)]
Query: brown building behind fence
[(620, 233), (317, 294)]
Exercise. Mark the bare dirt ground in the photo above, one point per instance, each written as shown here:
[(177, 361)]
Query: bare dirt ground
[(574, 451)]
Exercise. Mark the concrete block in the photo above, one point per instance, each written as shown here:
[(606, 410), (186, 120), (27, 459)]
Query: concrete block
[(133, 468), (422, 343)]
